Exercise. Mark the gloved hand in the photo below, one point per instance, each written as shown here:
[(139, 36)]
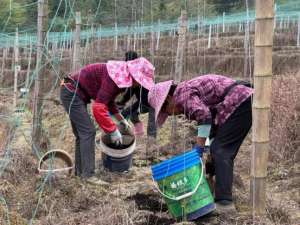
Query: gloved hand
[(125, 127), (116, 137), (120, 105), (199, 149)]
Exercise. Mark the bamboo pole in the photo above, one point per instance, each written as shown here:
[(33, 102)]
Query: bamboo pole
[(40, 71), (76, 53), (16, 69), (261, 103)]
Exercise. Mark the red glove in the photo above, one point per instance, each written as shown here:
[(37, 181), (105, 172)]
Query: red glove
[(102, 117)]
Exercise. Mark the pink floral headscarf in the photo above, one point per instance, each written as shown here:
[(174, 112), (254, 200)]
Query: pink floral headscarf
[(122, 72)]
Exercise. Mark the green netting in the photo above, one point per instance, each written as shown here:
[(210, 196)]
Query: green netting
[(286, 12)]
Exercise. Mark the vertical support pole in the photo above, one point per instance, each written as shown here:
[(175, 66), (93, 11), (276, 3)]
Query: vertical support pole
[(128, 42), (223, 22), (298, 35), (92, 44), (86, 47), (275, 18), (40, 71), (209, 37), (152, 45), (3, 63), (29, 58), (16, 69), (183, 23), (134, 41), (116, 37), (246, 42), (217, 35), (261, 103), (198, 35), (158, 36), (99, 40), (76, 53), (280, 24), (181, 47)]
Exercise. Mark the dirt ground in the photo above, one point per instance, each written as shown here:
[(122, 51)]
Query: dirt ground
[(27, 197)]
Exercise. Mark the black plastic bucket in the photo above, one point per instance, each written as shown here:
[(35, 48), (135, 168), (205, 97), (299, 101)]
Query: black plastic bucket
[(114, 164), (110, 158)]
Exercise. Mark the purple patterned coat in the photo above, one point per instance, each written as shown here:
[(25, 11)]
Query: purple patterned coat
[(198, 95)]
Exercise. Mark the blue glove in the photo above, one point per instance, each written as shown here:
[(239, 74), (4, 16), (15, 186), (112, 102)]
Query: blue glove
[(199, 149)]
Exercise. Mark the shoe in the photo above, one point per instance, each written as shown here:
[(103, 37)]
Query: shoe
[(96, 181), (225, 207)]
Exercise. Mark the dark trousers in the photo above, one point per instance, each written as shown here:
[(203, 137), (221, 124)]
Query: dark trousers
[(225, 146), (84, 132), (133, 112)]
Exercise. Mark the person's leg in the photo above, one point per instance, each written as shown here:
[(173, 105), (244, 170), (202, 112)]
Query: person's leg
[(225, 146), (85, 129), (78, 169), (151, 130)]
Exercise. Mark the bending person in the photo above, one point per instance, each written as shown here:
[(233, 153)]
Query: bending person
[(100, 83), (211, 99)]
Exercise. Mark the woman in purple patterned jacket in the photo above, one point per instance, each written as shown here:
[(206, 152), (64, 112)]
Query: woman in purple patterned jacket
[(217, 100)]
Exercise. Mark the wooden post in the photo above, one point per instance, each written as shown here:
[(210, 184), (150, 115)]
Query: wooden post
[(223, 22), (40, 71), (116, 37), (3, 63), (92, 44), (29, 58), (198, 35), (246, 43), (152, 40), (158, 36), (76, 53), (298, 35), (16, 69), (275, 18), (99, 41), (179, 61), (134, 41), (261, 103), (128, 42), (181, 47), (209, 37)]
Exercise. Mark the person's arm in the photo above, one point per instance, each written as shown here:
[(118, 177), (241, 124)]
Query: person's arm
[(201, 113), (102, 117), (104, 104)]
